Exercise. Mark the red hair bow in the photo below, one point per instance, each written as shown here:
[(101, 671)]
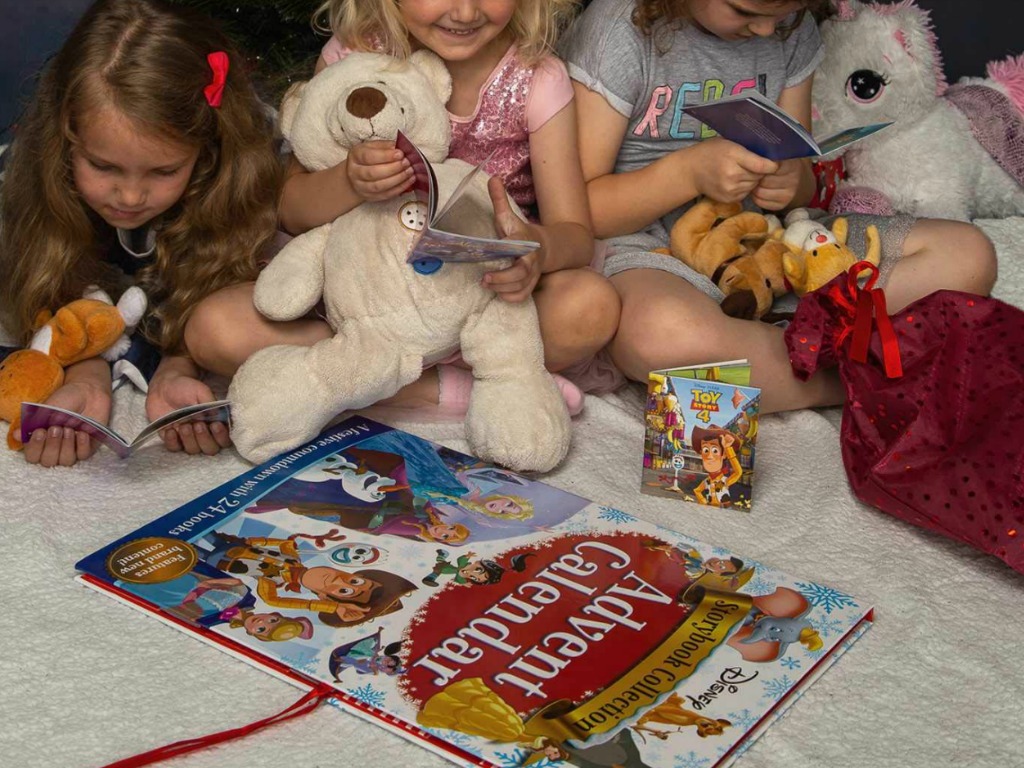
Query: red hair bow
[(218, 61)]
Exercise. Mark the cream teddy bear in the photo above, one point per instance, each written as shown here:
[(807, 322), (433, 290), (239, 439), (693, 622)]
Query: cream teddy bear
[(390, 319)]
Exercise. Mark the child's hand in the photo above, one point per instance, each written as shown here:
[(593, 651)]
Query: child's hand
[(174, 390), (514, 283), (62, 445), (378, 171), (727, 172), (777, 190)]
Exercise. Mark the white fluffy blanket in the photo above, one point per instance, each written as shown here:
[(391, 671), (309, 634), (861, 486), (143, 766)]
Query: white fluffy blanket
[(936, 682)]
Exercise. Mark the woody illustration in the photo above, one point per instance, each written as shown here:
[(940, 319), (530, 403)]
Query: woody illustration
[(715, 448)]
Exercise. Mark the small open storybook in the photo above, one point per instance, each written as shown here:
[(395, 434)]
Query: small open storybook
[(493, 619), (701, 430), (436, 244), (754, 122), (39, 416)]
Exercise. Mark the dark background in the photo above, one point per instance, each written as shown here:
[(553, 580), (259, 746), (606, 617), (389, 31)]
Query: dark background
[(970, 34)]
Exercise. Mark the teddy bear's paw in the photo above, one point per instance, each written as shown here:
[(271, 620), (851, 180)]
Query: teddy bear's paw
[(522, 423), (286, 297), (276, 403)]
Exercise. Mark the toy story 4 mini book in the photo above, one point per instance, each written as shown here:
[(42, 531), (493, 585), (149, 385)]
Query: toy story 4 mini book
[(701, 429), (494, 619)]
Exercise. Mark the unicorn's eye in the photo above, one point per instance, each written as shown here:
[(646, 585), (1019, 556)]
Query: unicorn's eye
[(865, 85)]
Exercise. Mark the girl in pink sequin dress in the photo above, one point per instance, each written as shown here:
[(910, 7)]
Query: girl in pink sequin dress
[(510, 96)]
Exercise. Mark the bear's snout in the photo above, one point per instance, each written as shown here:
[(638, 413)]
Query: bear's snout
[(365, 102)]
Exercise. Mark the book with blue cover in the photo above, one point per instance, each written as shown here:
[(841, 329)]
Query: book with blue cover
[(494, 619), (756, 123)]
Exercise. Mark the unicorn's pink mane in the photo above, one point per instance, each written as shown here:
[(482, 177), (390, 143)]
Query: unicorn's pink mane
[(929, 34), (1009, 73)]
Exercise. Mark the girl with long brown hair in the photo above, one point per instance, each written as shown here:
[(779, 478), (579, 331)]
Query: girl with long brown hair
[(145, 157)]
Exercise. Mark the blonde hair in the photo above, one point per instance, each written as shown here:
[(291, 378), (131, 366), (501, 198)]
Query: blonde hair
[(377, 25), (148, 61), (460, 532), (478, 504)]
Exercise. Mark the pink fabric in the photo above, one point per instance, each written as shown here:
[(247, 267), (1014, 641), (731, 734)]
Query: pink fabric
[(996, 124), (937, 446), (515, 101)]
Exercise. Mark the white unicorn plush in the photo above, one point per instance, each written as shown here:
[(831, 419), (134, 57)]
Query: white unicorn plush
[(954, 152)]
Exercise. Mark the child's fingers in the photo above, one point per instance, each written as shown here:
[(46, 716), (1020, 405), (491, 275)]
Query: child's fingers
[(84, 445), (371, 173), (384, 189), (188, 438), (207, 445), (67, 455), (505, 220), (221, 434), (755, 164)]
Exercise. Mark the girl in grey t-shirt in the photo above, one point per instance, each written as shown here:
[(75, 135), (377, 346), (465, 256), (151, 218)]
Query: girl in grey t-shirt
[(645, 161)]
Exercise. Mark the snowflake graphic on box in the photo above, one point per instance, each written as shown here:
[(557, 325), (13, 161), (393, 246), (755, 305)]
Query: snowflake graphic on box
[(825, 597), (743, 720), (826, 627), (776, 688), (612, 515), (370, 695), (789, 662), (692, 760)]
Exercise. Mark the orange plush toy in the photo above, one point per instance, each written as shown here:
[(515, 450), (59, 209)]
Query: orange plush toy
[(85, 328)]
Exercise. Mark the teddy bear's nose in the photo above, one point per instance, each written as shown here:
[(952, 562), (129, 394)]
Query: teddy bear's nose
[(365, 102)]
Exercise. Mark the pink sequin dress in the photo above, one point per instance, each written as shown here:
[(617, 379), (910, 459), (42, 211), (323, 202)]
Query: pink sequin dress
[(515, 100)]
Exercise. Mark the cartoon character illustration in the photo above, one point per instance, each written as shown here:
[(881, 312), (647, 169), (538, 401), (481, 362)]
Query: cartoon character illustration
[(715, 447), (467, 570), (664, 413), (356, 554), (195, 597), (720, 574), (270, 627), (784, 630), (435, 529), (356, 480), (672, 712), (776, 621), (344, 598), (503, 506), (259, 556), (620, 751), (367, 657)]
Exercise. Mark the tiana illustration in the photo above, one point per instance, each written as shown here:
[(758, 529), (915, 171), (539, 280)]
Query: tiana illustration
[(715, 448), (270, 627)]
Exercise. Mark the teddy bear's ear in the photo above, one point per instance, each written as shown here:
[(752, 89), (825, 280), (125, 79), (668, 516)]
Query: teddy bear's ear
[(289, 105), (433, 68)]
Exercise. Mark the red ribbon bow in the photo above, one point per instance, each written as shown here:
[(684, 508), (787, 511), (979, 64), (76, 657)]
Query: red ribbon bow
[(867, 307), (218, 61)]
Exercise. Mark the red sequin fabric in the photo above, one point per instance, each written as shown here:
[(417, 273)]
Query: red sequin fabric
[(938, 446)]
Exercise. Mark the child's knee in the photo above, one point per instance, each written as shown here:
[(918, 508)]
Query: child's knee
[(982, 255), (960, 250), (213, 328), (585, 303)]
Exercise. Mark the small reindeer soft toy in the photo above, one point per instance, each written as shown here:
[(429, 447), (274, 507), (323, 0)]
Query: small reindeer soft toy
[(954, 152)]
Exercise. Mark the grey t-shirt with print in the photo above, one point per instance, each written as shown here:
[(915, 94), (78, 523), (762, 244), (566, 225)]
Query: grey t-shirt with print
[(649, 78)]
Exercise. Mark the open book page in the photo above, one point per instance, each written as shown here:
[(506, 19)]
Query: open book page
[(441, 245), (754, 122), (39, 416)]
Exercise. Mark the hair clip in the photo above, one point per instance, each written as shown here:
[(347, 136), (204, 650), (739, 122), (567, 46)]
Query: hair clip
[(218, 61)]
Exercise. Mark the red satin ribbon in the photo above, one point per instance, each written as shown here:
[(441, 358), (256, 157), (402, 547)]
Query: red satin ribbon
[(827, 175), (866, 307), (303, 706), (218, 61)]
